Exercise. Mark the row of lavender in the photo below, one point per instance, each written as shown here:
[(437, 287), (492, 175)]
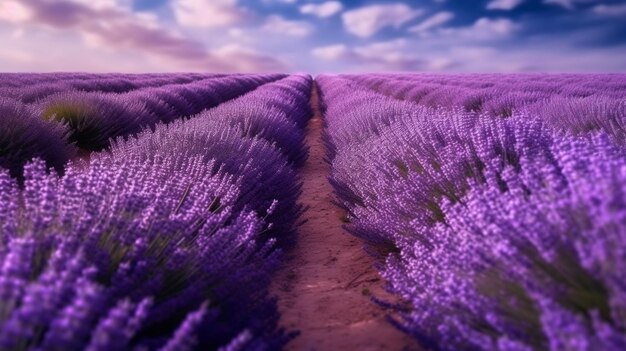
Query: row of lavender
[(165, 241), (578, 103), (29, 87), (499, 233), (57, 125)]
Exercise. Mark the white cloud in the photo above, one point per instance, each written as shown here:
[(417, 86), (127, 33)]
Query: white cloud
[(18, 33), (484, 29), (503, 4), (568, 4), (43, 50), (13, 11), (438, 64), (238, 33), (280, 1), (104, 4), (148, 19), (331, 52), (207, 13), (16, 56), (108, 27), (542, 57), (323, 10), (610, 10), (395, 55), (367, 21), (389, 51), (246, 59), (279, 25), (472, 53), (433, 21)]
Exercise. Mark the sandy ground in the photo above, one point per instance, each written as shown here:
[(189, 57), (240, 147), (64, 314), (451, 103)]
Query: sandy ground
[(325, 285)]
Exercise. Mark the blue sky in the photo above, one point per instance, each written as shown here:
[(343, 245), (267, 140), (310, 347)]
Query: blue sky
[(312, 35)]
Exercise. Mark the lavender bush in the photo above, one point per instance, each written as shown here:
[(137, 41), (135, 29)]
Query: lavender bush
[(526, 261), (166, 241), (24, 136), (94, 119), (594, 100), (499, 233), (141, 244)]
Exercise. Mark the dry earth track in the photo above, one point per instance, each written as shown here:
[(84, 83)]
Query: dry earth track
[(325, 284)]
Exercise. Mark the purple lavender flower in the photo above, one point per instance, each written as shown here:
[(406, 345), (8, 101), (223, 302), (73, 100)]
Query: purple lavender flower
[(500, 233), (24, 136), (119, 253)]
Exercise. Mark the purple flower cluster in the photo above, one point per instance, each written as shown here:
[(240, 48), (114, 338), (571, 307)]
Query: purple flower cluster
[(24, 136), (31, 87), (573, 102), (89, 110), (94, 118), (165, 242), (499, 233)]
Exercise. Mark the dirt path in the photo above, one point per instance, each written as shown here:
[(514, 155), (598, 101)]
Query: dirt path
[(325, 285)]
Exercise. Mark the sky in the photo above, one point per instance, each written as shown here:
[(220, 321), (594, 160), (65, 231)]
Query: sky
[(313, 36)]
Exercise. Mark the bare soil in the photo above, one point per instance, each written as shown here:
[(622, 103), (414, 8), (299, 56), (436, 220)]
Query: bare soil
[(325, 285)]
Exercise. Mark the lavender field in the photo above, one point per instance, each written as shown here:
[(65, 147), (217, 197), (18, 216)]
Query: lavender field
[(495, 203), (146, 211), (194, 211)]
